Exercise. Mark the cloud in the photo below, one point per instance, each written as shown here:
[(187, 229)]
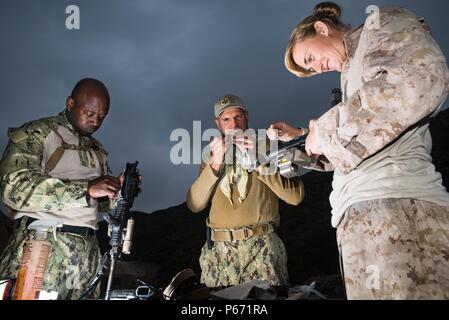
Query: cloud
[(165, 63)]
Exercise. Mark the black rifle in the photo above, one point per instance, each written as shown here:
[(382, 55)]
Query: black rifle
[(121, 241), (287, 158), (118, 217), (297, 143), (120, 227)]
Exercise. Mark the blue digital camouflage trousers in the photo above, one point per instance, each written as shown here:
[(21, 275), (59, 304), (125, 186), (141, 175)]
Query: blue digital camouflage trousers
[(395, 249), (72, 263), (234, 262)]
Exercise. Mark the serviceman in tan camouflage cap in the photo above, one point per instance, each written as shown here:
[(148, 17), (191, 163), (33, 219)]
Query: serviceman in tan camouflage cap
[(388, 204), (53, 170), (244, 213)]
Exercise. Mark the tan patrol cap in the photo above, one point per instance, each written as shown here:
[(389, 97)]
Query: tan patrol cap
[(229, 101)]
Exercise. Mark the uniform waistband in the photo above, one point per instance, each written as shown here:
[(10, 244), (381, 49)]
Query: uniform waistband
[(242, 233), (82, 231)]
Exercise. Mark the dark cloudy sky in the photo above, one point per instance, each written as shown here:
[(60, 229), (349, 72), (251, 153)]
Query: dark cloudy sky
[(165, 62)]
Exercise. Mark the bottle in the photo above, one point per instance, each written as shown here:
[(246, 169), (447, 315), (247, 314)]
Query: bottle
[(31, 274)]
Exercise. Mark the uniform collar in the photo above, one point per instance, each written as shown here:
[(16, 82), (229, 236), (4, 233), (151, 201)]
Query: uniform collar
[(62, 119), (351, 40)]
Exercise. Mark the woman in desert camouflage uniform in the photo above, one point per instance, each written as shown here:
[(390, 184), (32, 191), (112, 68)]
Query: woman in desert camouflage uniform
[(388, 203)]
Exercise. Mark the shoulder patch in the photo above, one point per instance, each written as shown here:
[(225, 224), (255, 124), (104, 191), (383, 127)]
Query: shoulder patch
[(17, 134), (35, 130)]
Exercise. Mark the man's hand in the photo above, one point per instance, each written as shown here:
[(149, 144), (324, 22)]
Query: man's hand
[(311, 146), (218, 149), (104, 186), (244, 142), (121, 178), (283, 131)]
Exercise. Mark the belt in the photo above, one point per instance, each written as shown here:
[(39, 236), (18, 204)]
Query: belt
[(242, 233), (82, 231)]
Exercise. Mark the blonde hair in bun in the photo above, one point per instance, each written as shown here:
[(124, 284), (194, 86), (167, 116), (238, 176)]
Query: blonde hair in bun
[(328, 9), (327, 12)]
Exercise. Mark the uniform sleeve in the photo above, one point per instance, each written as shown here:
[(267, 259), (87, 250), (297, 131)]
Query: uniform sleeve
[(405, 78), (200, 193), (24, 187), (105, 204), (289, 190), (320, 163)]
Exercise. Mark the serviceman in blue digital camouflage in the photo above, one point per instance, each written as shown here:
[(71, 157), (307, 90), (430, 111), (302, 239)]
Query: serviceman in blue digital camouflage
[(53, 170), (389, 206)]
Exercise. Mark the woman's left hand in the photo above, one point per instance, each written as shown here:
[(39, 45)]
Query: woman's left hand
[(283, 131), (311, 146)]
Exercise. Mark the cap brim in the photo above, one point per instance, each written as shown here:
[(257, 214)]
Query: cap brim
[(237, 107)]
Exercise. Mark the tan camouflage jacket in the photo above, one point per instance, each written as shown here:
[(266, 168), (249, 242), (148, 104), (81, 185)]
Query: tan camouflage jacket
[(403, 78), (25, 187)]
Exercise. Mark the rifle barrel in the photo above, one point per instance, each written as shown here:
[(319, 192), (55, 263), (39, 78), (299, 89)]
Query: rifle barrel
[(298, 142)]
